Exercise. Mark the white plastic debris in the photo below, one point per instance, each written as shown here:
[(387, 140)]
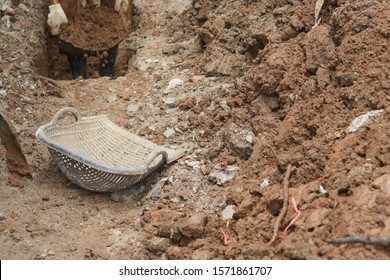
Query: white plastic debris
[(322, 190), (362, 120), (265, 183)]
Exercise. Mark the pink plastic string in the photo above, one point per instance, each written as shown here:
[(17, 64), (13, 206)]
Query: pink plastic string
[(294, 220), (225, 239)]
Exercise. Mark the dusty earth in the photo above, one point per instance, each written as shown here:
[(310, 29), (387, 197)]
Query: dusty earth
[(247, 87)]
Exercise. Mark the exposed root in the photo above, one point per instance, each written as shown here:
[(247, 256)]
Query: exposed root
[(283, 212)]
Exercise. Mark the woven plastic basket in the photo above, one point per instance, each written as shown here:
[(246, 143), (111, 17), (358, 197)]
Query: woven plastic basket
[(98, 155)]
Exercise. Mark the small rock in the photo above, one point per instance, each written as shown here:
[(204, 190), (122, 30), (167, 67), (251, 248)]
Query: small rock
[(137, 191), (194, 226), (110, 97), (169, 133), (23, 7), (170, 102), (132, 108), (6, 20), (239, 140), (51, 253), (175, 200), (158, 244), (222, 176), (227, 213), (173, 84), (224, 105), (117, 197), (171, 49), (157, 189), (362, 120), (3, 93), (3, 216)]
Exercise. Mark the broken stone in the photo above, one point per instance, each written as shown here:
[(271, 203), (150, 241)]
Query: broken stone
[(169, 133), (3, 216), (132, 108), (23, 7), (319, 47), (227, 213), (3, 93), (194, 226), (170, 102), (362, 120), (173, 84), (158, 244), (117, 197), (157, 189), (239, 140), (171, 49), (222, 176)]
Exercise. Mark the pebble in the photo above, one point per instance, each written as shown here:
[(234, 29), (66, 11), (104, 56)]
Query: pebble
[(3, 216), (3, 93), (170, 102), (222, 176), (22, 7), (132, 108), (362, 120), (173, 84), (117, 197), (169, 132)]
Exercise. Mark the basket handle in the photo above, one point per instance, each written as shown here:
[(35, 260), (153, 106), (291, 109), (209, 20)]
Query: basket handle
[(63, 111), (152, 156)]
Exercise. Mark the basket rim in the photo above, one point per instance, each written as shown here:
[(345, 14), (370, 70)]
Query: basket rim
[(141, 169)]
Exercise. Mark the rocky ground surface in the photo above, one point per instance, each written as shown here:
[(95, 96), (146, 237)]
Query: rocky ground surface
[(247, 88)]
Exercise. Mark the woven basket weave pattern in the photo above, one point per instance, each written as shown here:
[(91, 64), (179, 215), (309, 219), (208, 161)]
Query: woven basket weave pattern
[(98, 155)]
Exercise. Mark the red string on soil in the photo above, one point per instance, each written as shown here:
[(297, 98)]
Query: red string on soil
[(225, 238), (293, 220)]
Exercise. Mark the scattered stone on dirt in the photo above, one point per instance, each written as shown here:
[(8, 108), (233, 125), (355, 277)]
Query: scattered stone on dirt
[(221, 175)]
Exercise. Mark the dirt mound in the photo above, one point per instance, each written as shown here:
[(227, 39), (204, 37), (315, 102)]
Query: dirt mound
[(248, 88)]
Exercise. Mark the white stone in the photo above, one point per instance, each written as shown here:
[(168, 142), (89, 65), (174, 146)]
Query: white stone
[(362, 120)]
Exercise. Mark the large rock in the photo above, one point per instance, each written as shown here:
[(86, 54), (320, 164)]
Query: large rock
[(239, 140), (319, 47)]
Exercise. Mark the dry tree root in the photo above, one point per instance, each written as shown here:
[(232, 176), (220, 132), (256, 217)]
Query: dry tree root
[(283, 212), (357, 239)]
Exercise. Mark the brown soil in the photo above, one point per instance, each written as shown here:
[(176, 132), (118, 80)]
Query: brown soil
[(261, 89), (96, 29)]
